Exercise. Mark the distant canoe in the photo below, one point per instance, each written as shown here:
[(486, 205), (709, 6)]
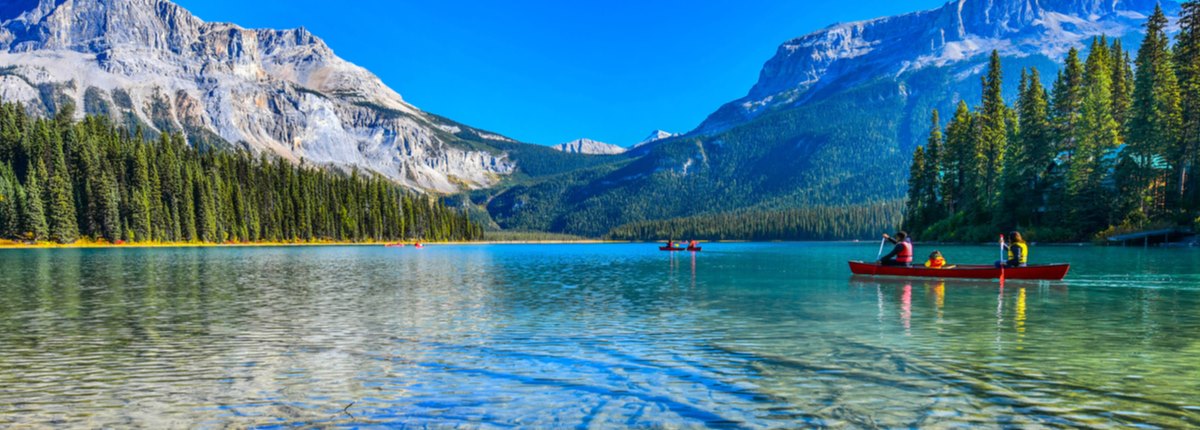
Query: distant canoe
[(394, 245), (664, 248), (1045, 272)]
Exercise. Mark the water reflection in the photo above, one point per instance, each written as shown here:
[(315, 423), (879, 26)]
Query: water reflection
[(606, 336)]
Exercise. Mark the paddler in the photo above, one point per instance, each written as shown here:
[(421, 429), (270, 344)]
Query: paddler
[(1018, 251), (902, 254)]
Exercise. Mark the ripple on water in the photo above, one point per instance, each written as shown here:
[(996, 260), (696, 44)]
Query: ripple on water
[(751, 335)]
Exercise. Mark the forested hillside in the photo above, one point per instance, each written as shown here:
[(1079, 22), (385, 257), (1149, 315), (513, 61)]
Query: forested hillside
[(63, 180), (815, 223), (1112, 146)]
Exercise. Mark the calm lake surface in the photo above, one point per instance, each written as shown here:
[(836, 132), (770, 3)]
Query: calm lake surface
[(740, 335)]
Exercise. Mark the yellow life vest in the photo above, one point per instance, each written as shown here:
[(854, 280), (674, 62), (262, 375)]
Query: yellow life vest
[(1024, 252), (936, 263)]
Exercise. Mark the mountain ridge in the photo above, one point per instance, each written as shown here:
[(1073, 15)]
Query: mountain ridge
[(589, 146), (833, 118), (153, 65), (959, 31)]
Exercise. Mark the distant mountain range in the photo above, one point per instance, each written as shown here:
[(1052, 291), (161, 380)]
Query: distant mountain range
[(833, 118), (831, 121)]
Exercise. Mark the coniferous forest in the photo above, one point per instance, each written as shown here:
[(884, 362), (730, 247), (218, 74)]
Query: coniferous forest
[(1113, 146), (813, 223), (63, 180)]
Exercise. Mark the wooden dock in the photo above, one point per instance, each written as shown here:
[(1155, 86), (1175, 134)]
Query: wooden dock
[(1152, 237)]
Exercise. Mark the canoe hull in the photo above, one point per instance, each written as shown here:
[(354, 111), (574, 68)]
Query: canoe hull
[(1047, 272), (663, 248)]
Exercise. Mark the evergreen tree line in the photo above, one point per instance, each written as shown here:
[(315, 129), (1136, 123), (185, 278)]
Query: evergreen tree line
[(1113, 145), (62, 180), (812, 223)]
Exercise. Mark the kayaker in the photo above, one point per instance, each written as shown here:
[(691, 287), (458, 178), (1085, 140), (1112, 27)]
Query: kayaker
[(693, 244), (902, 254), (936, 261), (1018, 251)]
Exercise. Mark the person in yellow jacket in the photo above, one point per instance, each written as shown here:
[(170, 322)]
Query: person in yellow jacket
[(1018, 250), (936, 261)]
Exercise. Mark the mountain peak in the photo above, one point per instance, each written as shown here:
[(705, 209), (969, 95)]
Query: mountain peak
[(589, 146), (959, 32), (655, 136), (152, 64)]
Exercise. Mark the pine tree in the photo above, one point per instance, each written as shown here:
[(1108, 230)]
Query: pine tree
[(10, 202), (932, 190), (1187, 69), (1154, 123), (1065, 111), (993, 128), (1096, 138), (960, 162), (35, 211), (64, 227), (1122, 85), (1032, 180), (914, 216), (139, 204), (108, 194)]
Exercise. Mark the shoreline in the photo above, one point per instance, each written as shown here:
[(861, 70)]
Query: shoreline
[(104, 245), (13, 245)]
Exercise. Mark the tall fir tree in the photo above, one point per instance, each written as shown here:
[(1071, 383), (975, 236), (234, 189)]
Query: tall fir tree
[(1037, 142), (915, 211), (993, 133), (34, 216), (140, 225), (63, 224), (1153, 126), (1187, 70), (960, 162), (11, 199), (1122, 85), (1096, 139), (931, 191)]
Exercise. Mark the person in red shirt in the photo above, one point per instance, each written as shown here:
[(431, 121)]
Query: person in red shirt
[(902, 254)]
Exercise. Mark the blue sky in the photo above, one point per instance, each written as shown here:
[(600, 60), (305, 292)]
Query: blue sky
[(552, 71)]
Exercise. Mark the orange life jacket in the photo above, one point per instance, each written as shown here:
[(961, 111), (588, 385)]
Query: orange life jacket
[(906, 254), (936, 263)]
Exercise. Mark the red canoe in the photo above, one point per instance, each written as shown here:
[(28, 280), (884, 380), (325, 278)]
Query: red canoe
[(664, 248), (1045, 272)]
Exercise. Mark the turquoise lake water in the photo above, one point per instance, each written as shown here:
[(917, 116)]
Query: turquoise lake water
[(738, 336)]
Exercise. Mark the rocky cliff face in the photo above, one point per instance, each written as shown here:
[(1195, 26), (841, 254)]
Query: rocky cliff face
[(589, 146), (961, 32), (150, 63)]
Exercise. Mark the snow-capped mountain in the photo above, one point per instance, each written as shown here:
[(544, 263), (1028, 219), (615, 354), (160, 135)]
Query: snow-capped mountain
[(959, 34), (655, 136), (589, 146), (834, 117), (152, 64)]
